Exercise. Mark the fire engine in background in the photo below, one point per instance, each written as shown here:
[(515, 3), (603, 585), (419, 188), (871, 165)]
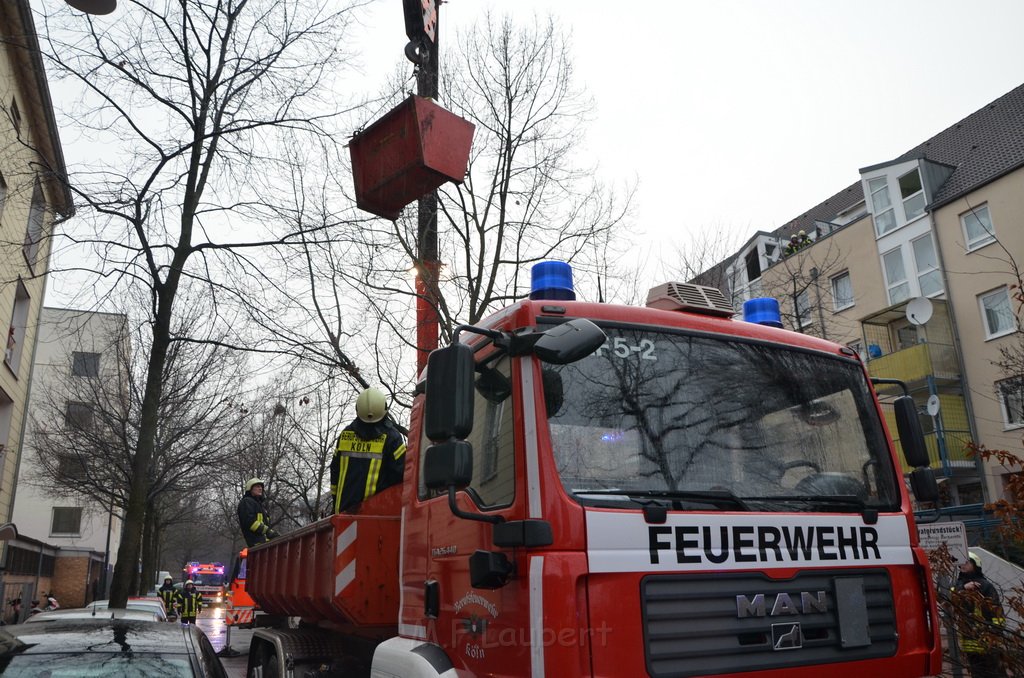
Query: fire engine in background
[(594, 489), (208, 579)]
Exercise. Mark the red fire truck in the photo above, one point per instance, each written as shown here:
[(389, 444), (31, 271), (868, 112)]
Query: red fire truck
[(208, 579), (594, 489)]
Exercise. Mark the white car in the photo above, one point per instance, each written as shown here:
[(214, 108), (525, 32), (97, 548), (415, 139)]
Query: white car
[(89, 613), (154, 605)]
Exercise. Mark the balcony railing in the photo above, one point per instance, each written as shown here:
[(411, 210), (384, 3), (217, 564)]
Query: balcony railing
[(916, 363)]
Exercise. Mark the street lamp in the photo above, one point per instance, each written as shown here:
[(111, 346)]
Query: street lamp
[(93, 6)]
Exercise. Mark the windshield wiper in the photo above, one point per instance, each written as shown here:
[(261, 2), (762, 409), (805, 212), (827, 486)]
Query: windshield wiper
[(869, 514), (714, 497)]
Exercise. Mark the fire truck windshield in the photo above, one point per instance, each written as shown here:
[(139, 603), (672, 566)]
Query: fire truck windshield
[(663, 417)]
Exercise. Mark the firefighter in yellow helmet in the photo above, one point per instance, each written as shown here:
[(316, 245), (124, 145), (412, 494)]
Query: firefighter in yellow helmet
[(980, 621), (369, 456)]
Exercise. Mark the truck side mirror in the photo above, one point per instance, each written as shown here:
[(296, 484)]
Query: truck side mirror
[(569, 342), (911, 436), (448, 464), (449, 410), (923, 485)]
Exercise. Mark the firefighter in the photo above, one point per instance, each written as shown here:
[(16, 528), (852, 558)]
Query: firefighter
[(982, 619), (166, 593), (369, 456), (251, 518), (190, 602)]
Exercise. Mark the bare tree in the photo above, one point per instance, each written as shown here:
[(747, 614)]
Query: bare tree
[(185, 99), (349, 298), (526, 197)]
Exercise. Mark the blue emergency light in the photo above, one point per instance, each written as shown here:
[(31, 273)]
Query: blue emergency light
[(763, 311), (552, 280)]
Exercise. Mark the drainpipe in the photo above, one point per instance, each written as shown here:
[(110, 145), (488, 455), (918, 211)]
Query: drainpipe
[(958, 347), (817, 301)]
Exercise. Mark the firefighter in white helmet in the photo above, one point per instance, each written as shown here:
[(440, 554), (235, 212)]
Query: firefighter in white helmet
[(189, 602), (369, 456)]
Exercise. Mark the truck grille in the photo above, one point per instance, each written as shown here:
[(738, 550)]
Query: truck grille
[(692, 625)]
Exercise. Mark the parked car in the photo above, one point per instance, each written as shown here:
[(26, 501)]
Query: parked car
[(107, 647), (93, 613), (154, 605)]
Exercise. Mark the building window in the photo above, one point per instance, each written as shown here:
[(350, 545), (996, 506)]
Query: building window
[(912, 194), (85, 364), (881, 205), (977, 225), (906, 335), (803, 309), (3, 193), (929, 277), (71, 467), (895, 276), (969, 493), (1011, 398), (34, 230), (753, 262), (16, 331), (842, 291), (66, 521), (78, 416), (996, 313), (15, 115)]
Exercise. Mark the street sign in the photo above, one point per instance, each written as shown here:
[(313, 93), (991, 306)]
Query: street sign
[(952, 534), (420, 19)]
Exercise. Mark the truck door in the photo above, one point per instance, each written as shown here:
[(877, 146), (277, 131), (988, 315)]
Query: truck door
[(482, 630)]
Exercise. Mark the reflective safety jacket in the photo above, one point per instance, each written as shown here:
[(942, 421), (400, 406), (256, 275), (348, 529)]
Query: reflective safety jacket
[(189, 603), (367, 459), (987, 614), (252, 520), (167, 594)]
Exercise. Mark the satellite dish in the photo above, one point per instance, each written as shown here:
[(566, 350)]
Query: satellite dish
[(93, 6), (919, 310), (8, 531), (932, 406)]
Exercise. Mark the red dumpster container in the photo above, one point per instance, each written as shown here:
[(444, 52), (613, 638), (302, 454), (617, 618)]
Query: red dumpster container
[(413, 149)]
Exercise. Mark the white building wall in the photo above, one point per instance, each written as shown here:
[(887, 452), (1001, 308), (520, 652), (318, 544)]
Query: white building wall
[(62, 332)]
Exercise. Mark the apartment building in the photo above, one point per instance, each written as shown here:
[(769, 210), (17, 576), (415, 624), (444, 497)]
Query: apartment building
[(34, 198), (917, 267), (79, 375)]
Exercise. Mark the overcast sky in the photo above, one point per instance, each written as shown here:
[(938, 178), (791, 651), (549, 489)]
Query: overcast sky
[(740, 115)]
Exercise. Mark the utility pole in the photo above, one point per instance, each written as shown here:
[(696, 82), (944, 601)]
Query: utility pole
[(421, 26)]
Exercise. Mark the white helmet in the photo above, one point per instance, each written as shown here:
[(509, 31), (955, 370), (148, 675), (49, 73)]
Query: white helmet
[(253, 481), (190, 583), (371, 406)]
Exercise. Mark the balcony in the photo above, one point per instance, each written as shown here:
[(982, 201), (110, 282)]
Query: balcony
[(916, 364), (946, 435)]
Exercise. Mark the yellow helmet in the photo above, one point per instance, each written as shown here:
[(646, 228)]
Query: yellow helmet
[(371, 406), (253, 481)]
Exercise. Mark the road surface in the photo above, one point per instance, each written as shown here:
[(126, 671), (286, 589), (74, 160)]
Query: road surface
[(211, 621)]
